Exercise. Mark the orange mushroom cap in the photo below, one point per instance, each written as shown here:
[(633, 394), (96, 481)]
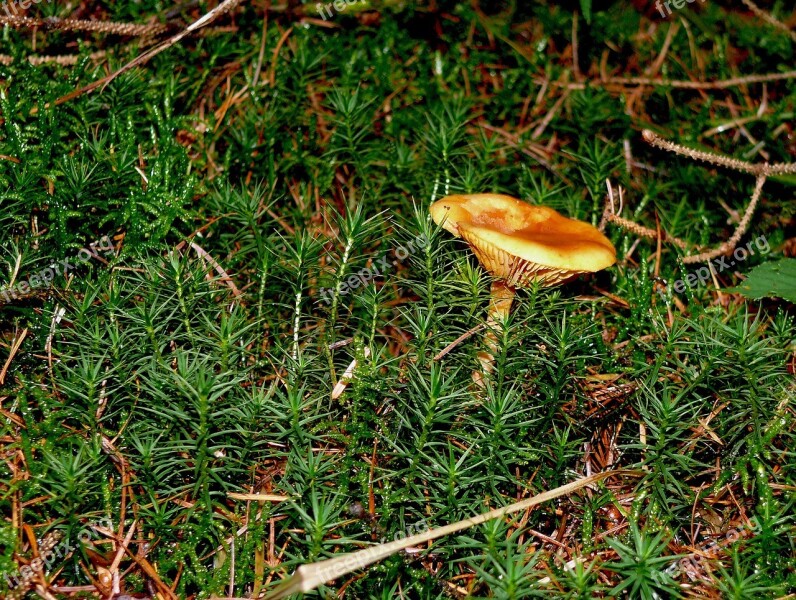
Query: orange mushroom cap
[(522, 243)]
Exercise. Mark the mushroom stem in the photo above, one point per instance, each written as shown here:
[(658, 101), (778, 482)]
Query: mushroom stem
[(502, 295)]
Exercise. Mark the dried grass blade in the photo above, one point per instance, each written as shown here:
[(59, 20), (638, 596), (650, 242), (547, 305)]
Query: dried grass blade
[(309, 577)]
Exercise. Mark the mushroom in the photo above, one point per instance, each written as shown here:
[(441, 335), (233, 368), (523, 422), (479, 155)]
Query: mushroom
[(520, 244)]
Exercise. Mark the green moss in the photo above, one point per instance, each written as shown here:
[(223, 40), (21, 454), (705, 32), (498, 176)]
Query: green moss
[(155, 378)]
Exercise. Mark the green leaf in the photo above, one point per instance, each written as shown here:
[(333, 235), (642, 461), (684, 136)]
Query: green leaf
[(772, 279), (585, 6)]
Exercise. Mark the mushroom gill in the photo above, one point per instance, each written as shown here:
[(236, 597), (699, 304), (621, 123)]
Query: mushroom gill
[(520, 244)]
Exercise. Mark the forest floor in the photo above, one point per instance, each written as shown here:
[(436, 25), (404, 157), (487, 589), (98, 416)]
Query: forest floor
[(227, 321)]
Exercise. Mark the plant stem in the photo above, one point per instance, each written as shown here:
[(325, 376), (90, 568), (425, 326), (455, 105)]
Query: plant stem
[(502, 295)]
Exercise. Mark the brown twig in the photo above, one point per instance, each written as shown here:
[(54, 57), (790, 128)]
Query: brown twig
[(222, 8), (458, 341), (642, 231), (109, 27), (676, 83), (761, 171), (714, 159), (611, 215), (12, 353), (731, 243), (769, 18), (63, 60), (718, 159), (206, 19)]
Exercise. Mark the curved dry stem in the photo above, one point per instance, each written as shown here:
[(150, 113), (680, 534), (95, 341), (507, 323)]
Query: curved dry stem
[(730, 244), (769, 18), (502, 295), (761, 171), (715, 159), (310, 576)]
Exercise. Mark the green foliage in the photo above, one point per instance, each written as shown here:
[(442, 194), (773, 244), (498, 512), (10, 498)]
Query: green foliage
[(642, 566), (270, 232), (585, 6), (773, 279)]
